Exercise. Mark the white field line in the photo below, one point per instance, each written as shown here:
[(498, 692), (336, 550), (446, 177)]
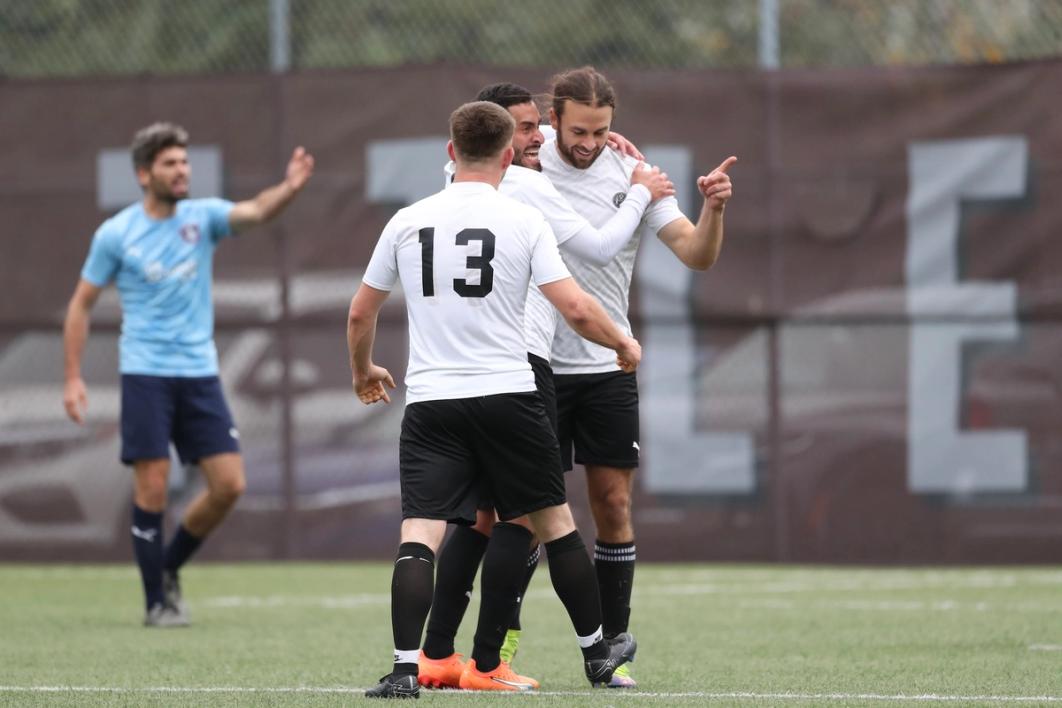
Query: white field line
[(736, 695), (1045, 647)]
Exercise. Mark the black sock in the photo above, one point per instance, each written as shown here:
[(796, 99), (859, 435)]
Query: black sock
[(573, 579), (614, 563), (411, 587), (181, 548), (504, 567), (456, 572), (532, 564), (147, 548)]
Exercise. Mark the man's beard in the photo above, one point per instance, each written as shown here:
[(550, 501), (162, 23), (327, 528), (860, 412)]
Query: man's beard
[(577, 161)]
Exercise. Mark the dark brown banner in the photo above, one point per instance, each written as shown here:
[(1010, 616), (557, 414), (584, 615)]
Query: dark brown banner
[(868, 374)]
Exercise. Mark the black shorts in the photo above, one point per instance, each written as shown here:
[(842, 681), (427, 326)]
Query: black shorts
[(189, 411), (599, 414), (451, 451), (544, 383)]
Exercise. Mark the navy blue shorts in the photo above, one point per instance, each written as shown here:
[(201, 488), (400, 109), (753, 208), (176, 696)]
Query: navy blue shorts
[(190, 412)]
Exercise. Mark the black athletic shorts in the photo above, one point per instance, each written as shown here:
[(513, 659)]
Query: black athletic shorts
[(451, 451), (599, 414), (544, 384)]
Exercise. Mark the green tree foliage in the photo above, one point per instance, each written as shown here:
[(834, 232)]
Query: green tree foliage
[(86, 37)]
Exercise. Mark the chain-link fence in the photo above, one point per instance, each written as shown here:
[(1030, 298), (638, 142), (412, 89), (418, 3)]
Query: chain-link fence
[(100, 37)]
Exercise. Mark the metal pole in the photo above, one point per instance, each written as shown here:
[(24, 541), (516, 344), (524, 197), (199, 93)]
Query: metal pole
[(770, 61), (769, 53), (279, 35)]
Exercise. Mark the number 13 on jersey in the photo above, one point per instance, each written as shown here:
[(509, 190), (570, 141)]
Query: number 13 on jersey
[(481, 262)]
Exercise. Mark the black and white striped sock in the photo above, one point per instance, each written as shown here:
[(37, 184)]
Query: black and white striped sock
[(614, 563)]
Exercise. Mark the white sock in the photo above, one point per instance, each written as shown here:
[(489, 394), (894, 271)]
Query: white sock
[(591, 639), (409, 656)]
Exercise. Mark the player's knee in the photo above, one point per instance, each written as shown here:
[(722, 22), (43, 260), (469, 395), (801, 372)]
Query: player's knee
[(150, 498), (228, 490), (615, 501)]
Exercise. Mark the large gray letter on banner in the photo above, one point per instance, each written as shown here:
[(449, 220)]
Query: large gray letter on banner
[(403, 171), (679, 460), (941, 458)]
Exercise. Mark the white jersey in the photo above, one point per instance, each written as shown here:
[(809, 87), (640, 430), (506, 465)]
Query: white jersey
[(597, 193), (465, 257), (535, 190)]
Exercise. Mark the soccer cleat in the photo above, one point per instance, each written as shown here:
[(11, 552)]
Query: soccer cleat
[(502, 678), (621, 649), (162, 615), (440, 673), (621, 678), (391, 686), (510, 645), (171, 589), (526, 679)]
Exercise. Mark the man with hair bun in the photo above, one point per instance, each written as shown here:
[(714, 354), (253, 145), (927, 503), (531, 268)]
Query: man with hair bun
[(597, 403)]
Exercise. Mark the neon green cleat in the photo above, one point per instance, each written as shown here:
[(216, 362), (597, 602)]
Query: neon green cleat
[(621, 678), (510, 645)]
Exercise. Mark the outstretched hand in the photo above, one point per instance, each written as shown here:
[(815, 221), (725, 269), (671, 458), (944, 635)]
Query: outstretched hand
[(300, 168), (715, 186), (370, 388)]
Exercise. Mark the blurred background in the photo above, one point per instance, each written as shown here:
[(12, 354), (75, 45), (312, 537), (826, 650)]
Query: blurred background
[(869, 374)]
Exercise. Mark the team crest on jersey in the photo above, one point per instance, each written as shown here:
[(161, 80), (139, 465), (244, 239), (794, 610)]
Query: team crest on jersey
[(618, 198), (190, 233)]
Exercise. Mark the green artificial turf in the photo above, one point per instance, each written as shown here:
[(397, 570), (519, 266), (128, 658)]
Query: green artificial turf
[(301, 634)]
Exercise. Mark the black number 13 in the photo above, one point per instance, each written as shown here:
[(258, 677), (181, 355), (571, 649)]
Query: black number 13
[(480, 262)]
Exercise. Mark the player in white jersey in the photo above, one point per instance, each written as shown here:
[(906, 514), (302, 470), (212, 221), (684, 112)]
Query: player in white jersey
[(466, 257), (597, 403), (440, 665)]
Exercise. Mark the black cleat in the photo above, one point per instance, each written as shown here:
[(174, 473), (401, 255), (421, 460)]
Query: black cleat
[(621, 649), (392, 686)]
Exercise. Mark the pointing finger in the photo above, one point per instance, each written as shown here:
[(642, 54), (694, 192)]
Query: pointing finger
[(726, 164)]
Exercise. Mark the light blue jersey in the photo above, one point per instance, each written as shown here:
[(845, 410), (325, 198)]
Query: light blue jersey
[(163, 271)]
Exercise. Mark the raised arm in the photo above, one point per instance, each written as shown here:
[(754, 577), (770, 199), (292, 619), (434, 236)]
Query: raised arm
[(75, 334), (368, 378), (599, 246), (272, 200), (590, 321), (698, 246)]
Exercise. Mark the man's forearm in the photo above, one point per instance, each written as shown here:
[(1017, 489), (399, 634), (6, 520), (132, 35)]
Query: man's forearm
[(75, 334), (590, 321), (272, 200), (360, 337), (707, 239)]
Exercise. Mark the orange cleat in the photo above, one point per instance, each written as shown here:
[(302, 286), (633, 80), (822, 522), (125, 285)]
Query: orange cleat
[(502, 678), (440, 673)]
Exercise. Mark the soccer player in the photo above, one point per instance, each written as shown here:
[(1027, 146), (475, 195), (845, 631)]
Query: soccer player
[(159, 252), (473, 417), (597, 402), (440, 665)]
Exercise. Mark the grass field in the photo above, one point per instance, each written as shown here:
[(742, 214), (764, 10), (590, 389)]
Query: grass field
[(319, 634)]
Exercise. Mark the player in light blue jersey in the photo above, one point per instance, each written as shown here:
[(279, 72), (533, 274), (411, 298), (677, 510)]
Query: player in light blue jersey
[(159, 253)]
